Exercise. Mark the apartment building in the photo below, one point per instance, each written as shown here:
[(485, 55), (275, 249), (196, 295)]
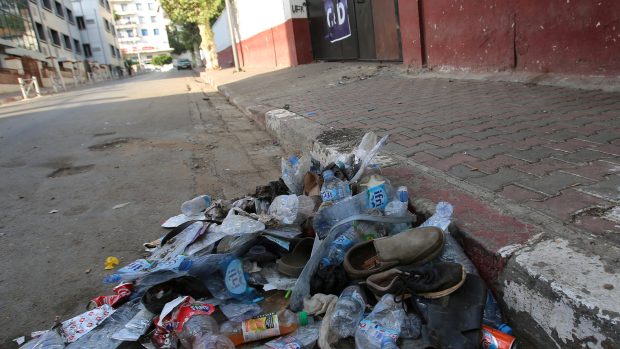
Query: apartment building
[(141, 29), (95, 22)]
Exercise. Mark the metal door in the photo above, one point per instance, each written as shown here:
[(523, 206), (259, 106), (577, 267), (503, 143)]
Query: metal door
[(387, 30), (365, 29)]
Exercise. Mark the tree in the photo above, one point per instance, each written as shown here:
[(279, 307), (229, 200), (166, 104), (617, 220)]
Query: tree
[(184, 37), (201, 13), (162, 60)]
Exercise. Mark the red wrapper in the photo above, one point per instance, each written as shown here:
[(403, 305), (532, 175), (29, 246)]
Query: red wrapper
[(122, 293)]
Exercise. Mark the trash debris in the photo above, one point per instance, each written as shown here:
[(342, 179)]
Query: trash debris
[(20, 340), (298, 263), (116, 207), (53, 211)]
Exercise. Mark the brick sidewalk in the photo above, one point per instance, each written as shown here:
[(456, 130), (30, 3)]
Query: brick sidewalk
[(553, 149)]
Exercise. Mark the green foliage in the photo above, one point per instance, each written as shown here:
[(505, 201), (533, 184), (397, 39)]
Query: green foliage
[(192, 11), (183, 37), (161, 60)]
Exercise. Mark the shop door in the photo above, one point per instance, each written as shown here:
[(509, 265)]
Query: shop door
[(31, 68)]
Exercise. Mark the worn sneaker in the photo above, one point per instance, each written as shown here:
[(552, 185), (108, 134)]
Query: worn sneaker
[(430, 280)]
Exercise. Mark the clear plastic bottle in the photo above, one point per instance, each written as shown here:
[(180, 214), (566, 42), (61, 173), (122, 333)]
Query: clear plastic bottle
[(304, 338), (196, 326), (264, 326), (348, 312), (398, 208), (339, 247), (196, 205), (492, 315), (333, 188), (381, 328), (441, 218), (212, 342)]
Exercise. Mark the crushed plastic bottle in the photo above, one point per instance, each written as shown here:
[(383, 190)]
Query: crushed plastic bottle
[(398, 208), (235, 280), (197, 326), (339, 247), (48, 340), (441, 218), (196, 205), (212, 342), (381, 328), (304, 338), (348, 312), (291, 209), (333, 189), (412, 327), (293, 171)]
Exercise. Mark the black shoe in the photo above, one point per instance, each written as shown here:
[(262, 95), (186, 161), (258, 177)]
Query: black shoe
[(430, 280)]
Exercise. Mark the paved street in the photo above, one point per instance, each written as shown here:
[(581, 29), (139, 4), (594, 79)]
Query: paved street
[(149, 142)]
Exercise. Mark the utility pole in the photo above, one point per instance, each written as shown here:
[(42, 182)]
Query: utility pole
[(232, 36)]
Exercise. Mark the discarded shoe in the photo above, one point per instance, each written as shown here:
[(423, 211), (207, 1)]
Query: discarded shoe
[(431, 280), (413, 246), (293, 263)]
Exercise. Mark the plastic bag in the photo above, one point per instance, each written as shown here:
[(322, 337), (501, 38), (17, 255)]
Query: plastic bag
[(136, 327), (291, 209), (365, 161), (238, 312), (212, 342), (235, 224), (48, 340), (293, 171)]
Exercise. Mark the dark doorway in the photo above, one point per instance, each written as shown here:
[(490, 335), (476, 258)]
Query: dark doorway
[(31, 68)]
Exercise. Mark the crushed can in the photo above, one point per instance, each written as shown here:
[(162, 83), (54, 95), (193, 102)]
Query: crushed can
[(495, 339)]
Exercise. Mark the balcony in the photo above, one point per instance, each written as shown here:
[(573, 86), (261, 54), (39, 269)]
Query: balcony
[(127, 40), (126, 24), (127, 12)]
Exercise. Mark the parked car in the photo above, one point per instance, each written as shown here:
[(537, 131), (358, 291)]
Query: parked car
[(184, 63)]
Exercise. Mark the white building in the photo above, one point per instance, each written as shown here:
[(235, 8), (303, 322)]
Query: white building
[(141, 29), (95, 21)]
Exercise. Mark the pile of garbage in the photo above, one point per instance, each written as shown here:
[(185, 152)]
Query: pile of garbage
[(329, 255)]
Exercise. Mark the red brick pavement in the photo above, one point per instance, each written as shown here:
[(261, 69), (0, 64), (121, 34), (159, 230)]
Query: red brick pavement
[(541, 146)]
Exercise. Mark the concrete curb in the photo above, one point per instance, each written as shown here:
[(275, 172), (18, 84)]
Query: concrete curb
[(527, 258), (12, 99)]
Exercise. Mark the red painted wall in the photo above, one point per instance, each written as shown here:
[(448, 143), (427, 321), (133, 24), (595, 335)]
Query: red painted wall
[(284, 45), (558, 36)]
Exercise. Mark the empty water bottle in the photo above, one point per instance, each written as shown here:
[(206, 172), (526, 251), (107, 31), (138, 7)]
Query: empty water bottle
[(398, 208), (339, 247), (196, 205), (492, 315), (333, 188), (441, 218), (303, 338), (348, 312), (381, 328), (197, 326)]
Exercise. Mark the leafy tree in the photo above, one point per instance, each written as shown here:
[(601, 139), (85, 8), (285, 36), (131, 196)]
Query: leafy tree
[(162, 60), (184, 37), (201, 13)]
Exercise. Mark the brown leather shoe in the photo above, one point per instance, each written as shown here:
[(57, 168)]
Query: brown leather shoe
[(412, 246)]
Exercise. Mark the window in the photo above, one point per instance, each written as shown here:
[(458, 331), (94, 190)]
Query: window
[(113, 50), (155, 31), (151, 6), (129, 33), (69, 16), (59, 11), (113, 30), (87, 51), (141, 20), (118, 52), (67, 42), (47, 4), (153, 19), (40, 31), (145, 32), (124, 7), (76, 45), (80, 22), (139, 7), (107, 5), (55, 37), (106, 24)]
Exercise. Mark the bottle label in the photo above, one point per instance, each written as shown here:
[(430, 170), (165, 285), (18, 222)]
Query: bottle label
[(358, 298), (330, 194), (377, 333), (377, 197), (288, 342), (234, 278), (344, 242), (135, 266), (259, 327)]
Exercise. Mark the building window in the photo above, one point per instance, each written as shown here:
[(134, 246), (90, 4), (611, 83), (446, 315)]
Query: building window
[(76, 44), (106, 24), (70, 16), (113, 51), (40, 31), (113, 30), (139, 7), (129, 33), (118, 52), (80, 22), (67, 42), (153, 19), (55, 37), (59, 11), (141, 20), (151, 6), (87, 51), (101, 2), (145, 32), (47, 4), (107, 5), (124, 7), (155, 31)]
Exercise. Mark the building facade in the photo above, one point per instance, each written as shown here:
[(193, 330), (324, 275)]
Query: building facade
[(95, 21), (141, 29)]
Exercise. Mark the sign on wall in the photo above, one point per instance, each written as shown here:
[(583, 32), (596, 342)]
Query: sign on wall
[(337, 16)]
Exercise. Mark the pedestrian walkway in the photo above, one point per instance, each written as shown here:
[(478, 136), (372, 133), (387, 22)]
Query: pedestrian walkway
[(550, 148)]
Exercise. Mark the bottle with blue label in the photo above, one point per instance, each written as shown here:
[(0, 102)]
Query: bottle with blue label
[(235, 280), (333, 188), (377, 192), (339, 247), (381, 328)]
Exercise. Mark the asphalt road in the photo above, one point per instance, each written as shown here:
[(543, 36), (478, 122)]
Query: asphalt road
[(150, 141)]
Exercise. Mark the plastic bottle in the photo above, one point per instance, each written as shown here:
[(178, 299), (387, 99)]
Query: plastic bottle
[(212, 342), (492, 316), (304, 338), (196, 205), (441, 218), (398, 208), (381, 328), (348, 312), (196, 326), (264, 326), (333, 188), (377, 191), (339, 247)]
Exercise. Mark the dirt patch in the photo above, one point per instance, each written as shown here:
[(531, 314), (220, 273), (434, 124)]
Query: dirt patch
[(595, 211), (341, 136), (104, 134), (115, 143), (68, 171)]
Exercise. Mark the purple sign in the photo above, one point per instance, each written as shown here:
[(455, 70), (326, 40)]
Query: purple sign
[(338, 27)]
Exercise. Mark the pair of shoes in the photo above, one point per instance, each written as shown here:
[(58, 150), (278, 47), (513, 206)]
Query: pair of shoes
[(399, 264)]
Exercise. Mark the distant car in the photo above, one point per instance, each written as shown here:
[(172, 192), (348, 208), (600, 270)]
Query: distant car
[(184, 63)]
